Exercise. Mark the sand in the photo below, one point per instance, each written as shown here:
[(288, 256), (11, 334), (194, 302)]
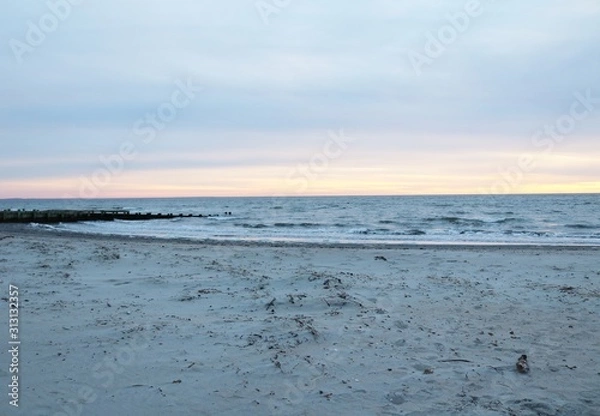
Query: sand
[(119, 326)]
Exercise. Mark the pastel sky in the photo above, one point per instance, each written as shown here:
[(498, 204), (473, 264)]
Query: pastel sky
[(298, 97)]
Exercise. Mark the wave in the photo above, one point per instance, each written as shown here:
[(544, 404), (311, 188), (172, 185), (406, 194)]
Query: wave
[(507, 220), (455, 220), (470, 232), (582, 226), (472, 221), (284, 225), (498, 213), (309, 225), (414, 232), (293, 225), (43, 226), (371, 231), (387, 231), (280, 225), (528, 233), (252, 226)]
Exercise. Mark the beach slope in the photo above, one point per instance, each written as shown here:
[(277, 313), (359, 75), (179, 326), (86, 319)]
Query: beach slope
[(149, 327)]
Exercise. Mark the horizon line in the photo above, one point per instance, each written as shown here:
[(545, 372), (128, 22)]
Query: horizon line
[(304, 196)]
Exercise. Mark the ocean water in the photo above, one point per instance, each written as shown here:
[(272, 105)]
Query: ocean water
[(477, 219)]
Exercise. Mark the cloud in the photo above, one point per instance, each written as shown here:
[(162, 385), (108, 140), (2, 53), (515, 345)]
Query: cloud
[(273, 90)]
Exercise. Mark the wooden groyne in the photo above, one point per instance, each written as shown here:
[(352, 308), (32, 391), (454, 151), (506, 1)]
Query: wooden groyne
[(56, 216)]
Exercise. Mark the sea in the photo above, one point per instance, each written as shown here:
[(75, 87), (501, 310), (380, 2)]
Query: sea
[(566, 219)]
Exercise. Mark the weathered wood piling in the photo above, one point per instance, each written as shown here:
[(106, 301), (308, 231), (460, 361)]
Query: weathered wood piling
[(56, 216)]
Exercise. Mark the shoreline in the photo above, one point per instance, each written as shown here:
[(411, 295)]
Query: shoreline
[(26, 229)]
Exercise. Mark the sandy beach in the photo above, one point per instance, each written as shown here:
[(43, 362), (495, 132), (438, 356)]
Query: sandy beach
[(122, 326)]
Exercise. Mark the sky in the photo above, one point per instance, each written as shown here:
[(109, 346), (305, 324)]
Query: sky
[(150, 98)]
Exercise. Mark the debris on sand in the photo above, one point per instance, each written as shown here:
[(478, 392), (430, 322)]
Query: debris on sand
[(271, 305), (522, 364), (333, 283), (307, 323)]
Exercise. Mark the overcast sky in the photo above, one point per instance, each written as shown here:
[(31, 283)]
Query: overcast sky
[(298, 97)]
